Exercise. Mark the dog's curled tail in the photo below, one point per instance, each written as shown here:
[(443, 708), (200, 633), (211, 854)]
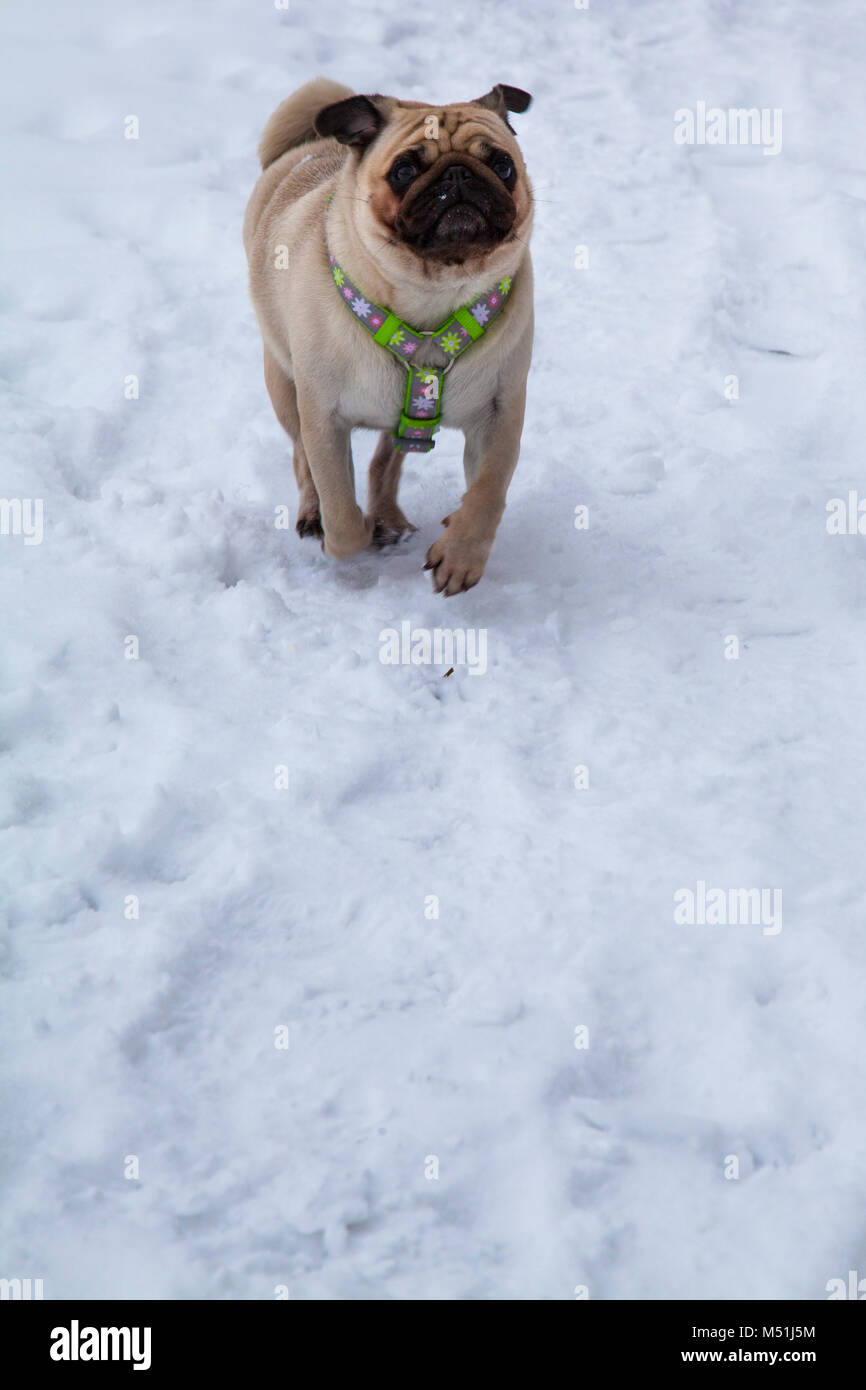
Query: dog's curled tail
[(292, 122)]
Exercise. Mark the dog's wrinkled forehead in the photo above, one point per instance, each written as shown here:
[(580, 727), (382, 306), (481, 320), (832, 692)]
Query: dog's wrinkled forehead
[(449, 130)]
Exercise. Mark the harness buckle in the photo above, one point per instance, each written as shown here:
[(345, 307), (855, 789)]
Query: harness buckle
[(407, 445)]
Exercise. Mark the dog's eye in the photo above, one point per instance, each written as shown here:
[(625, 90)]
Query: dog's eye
[(403, 172), (502, 166)]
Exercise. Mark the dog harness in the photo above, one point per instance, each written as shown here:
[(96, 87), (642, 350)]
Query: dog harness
[(422, 405)]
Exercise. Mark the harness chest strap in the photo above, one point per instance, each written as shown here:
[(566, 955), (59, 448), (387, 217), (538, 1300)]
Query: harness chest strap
[(422, 406)]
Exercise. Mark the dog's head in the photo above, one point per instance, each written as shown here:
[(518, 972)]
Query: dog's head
[(435, 187)]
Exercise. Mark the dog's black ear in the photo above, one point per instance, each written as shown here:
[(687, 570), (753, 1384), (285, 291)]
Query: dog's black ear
[(502, 98), (354, 121)]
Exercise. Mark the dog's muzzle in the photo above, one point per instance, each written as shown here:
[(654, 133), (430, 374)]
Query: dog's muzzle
[(459, 206)]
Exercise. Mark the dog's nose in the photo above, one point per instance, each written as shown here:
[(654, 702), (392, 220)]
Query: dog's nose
[(456, 175)]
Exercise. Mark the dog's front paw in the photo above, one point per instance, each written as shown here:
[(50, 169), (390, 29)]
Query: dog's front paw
[(389, 526), (347, 537), (309, 523), (457, 561)]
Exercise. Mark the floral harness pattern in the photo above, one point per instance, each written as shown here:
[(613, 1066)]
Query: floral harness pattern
[(422, 406)]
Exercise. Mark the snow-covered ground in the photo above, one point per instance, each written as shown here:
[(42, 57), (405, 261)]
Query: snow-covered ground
[(417, 1040)]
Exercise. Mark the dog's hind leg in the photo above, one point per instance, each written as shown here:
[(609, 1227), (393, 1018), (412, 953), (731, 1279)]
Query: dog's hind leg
[(284, 399), (383, 482)]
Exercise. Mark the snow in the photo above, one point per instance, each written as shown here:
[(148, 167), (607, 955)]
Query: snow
[(414, 1037)]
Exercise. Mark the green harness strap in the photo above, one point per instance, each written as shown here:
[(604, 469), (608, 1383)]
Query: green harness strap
[(422, 405)]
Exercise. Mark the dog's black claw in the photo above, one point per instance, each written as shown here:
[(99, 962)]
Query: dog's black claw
[(391, 532), (383, 535), (310, 526)]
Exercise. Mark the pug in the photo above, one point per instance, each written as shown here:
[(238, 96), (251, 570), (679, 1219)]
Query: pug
[(388, 250)]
